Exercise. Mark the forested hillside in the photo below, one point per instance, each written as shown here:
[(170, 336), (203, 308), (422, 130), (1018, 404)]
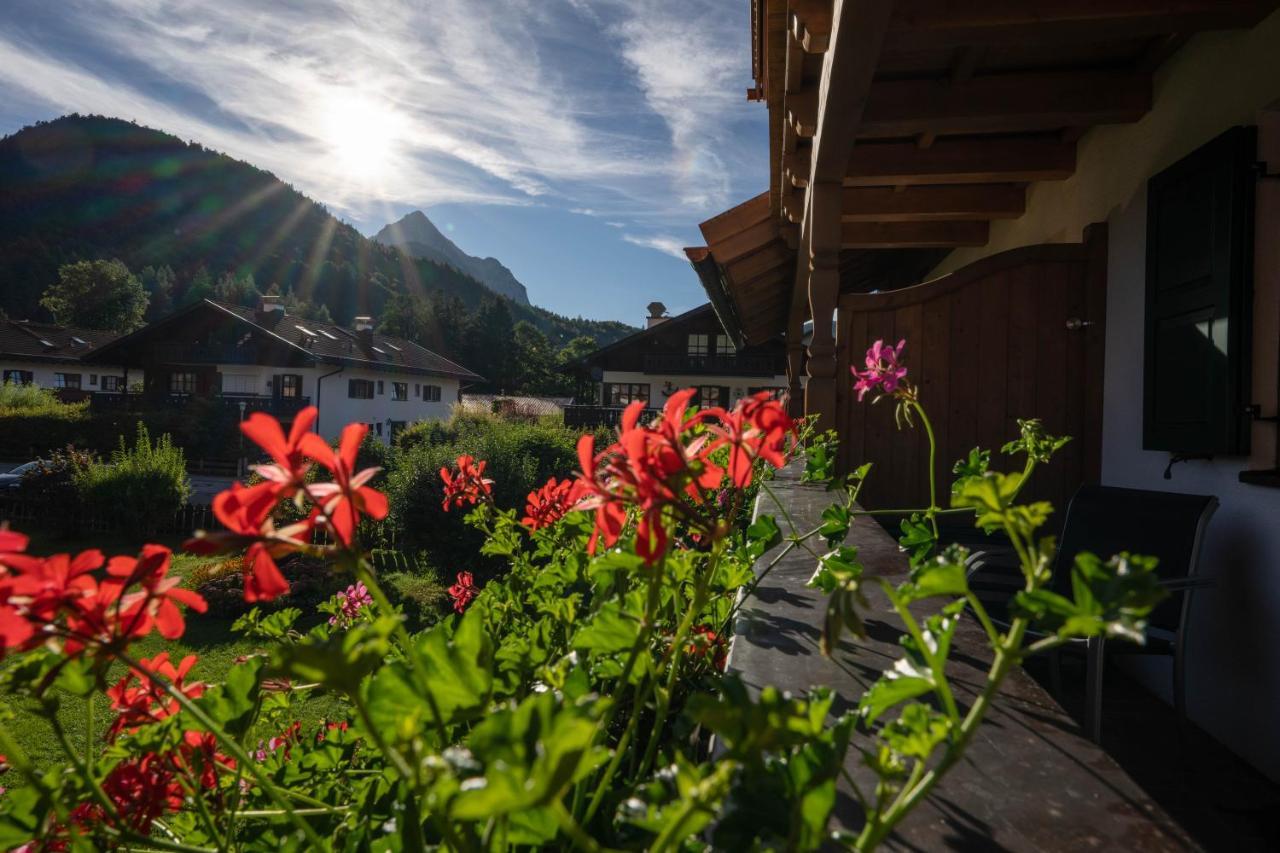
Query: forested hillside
[(204, 224)]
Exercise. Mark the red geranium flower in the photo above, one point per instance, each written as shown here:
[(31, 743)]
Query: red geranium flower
[(550, 503), (290, 469), (756, 428), (164, 594), (148, 701), (347, 497), (246, 513), (705, 642), (463, 592), (469, 485)]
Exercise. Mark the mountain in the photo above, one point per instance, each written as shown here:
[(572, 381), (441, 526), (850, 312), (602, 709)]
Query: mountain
[(418, 237), (89, 187)]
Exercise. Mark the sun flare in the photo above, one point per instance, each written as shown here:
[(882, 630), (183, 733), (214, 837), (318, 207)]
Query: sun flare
[(361, 135)]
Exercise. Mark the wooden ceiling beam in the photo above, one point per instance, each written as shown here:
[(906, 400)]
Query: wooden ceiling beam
[(961, 161), (912, 235), (724, 225), (938, 24), (802, 112), (1004, 103), (810, 24), (745, 242), (933, 203)]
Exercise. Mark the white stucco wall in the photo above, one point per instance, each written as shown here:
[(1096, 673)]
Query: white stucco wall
[(738, 385), (337, 409), (43, 372), (1217, 81)]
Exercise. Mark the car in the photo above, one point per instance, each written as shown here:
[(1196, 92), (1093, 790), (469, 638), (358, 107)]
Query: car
[(12, 481)]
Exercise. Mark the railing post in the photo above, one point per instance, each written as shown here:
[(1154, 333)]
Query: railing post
[(824, 289)]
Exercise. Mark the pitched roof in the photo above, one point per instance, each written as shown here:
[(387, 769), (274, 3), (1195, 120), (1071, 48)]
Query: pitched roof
[(331, 344), (27, 341), (664, 326)]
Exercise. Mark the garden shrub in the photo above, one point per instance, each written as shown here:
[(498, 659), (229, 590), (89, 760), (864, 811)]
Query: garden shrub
[(29, 398), (520, 458), (142, 486)]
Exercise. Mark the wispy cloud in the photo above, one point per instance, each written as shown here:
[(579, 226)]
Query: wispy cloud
[(627, 111), (666, 244)]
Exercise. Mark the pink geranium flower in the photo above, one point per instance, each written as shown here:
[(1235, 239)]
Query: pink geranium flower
[(884, 370)]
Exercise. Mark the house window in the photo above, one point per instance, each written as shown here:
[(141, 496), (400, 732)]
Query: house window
[(417, 389), (431, 393), (399, 391), (289, 385), (380, 389), (377, 426), (623, 393), (93, 379), (712, 395), (238, 383), (19, 377), (66, 380), (112, 383), (699, 345), (182, 382), (360, 389)]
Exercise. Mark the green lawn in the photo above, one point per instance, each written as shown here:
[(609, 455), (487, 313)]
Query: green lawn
[(209, 637)]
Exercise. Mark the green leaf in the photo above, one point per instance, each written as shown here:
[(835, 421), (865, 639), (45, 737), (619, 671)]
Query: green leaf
[(1034, 442), (917, 538), (891, 689), (232, 703), (943, 575), (835, 524), (459, 667), (917, 731), (974, 466), (610, 629), (339, 660), (764, 533)]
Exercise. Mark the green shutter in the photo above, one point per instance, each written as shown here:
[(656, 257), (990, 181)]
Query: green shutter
[(1199, 281)]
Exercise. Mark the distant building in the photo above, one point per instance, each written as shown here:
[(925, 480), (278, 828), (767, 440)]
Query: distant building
[(262, 360), (514, 405), (51, 356), (690, 350)]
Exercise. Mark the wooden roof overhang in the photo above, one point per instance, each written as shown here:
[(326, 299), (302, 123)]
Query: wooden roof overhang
[(925, 120)]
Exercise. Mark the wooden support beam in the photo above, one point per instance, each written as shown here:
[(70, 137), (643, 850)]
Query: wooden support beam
[(961, 161), (933, 203), (794, 75), (912, 235), (802, 112), (1004, 103), (796, 166), (745, 242), (921, 25), (810, 23)]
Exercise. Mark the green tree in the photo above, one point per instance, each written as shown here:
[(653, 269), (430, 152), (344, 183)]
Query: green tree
[(488, 344), (407, 316), (570, 379), (97, 295), (158, 283), (534, 363)]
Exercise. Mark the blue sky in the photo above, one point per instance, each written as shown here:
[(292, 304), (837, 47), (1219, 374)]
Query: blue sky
[(578, 141)]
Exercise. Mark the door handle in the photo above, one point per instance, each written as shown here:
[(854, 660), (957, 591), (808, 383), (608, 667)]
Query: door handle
[(1075, 324)]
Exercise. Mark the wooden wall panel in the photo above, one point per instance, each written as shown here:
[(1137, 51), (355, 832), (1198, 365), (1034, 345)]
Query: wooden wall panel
[(986, 345)]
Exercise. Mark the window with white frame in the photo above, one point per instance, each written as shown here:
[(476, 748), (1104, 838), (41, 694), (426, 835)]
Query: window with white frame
[(66, 380), (113, 383), (182, 382), (19, 377), (699, 345), (360, 389), (431, 393), (624, 393), (239, 383), (399, 391)]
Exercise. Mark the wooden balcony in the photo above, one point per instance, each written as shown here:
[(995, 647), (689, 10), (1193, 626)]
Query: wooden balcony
[(589, 417), (713, 365), (285, 407)]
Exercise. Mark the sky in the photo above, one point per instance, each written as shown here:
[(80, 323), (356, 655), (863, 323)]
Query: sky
[(578, 141)]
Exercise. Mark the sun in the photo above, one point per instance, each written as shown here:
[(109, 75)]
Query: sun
[(361, 135)]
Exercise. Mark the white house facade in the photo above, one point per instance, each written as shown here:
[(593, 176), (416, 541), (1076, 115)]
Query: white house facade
[(262, 360), (49, 356)]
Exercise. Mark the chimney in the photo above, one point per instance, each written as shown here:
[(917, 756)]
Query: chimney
[(270, 310), (657, 314), (364, 330)]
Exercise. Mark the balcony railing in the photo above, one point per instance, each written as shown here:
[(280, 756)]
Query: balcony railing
[(279, 406), (728, 365), (594, 416)]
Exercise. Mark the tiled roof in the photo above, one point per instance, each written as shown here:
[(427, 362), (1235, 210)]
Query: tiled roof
[(336, 344), (28, 341)]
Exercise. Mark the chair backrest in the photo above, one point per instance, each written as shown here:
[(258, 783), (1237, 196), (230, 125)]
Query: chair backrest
[(1106, 520)]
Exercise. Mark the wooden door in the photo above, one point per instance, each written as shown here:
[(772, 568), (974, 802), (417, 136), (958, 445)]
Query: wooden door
[(1015, 335)]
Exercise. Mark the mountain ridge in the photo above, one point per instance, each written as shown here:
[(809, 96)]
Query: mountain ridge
[(417, 236)]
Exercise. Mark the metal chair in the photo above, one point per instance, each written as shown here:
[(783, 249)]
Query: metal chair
[(1106, 520)]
